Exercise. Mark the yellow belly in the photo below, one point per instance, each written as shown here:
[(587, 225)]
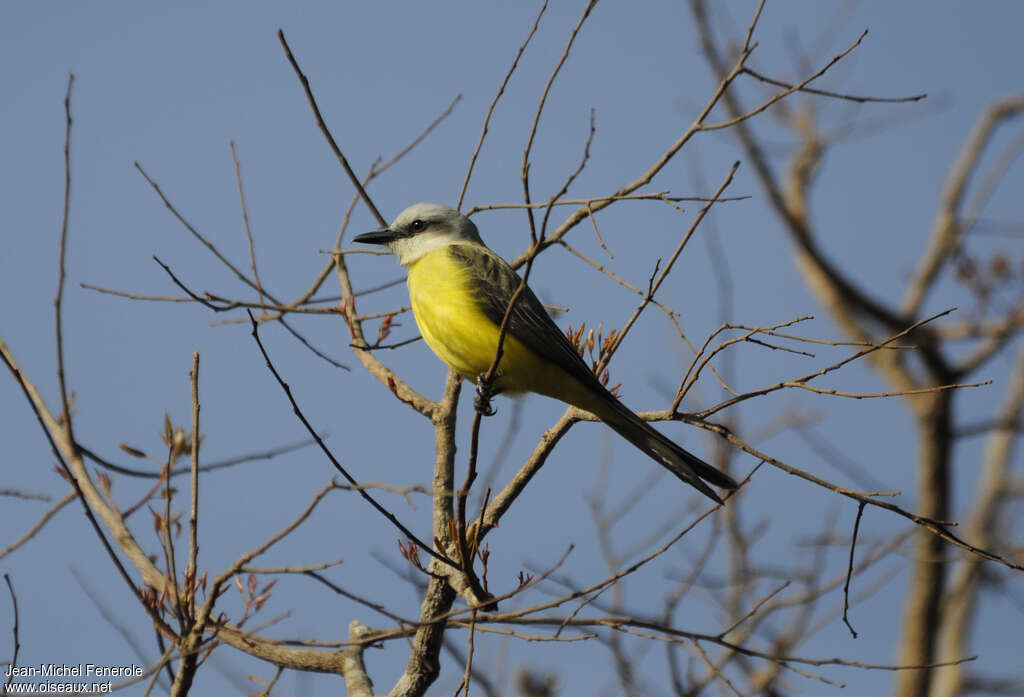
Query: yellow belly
[(457, 330)]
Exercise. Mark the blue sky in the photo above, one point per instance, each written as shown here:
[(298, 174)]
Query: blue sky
[(168, 86)]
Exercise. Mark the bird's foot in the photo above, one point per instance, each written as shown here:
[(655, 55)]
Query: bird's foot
[(482, 401)]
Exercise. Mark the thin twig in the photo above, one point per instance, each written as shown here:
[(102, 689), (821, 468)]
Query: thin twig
[(753, 610), (167, 540), (728, 123), (58, 302), (192, 570), (288, 569), (230, 462), (25, 495), (195, 233), (849, 569), (656, 284), (46, 423), (330, 456), (226, 305), (494, 102), (939, 528), (587, 202), (525, 168), (827, 369), (895, 393), (470, 645), (377, 607), (418, 139), (376, 169), (15, 629), (245, 220), (31, 532), (835, 95), (326, 131)]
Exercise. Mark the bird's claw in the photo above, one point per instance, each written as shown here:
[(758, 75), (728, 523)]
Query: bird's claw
[(482, 401)]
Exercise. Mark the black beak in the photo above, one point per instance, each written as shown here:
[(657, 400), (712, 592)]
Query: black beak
[(382, 236)]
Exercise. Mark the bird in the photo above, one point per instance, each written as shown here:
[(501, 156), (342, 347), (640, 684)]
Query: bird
[(460, 290)]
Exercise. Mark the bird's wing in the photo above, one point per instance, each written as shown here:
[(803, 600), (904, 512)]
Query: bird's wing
[(495, 282)]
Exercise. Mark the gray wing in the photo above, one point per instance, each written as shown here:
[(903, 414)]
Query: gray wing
[(494, 282)]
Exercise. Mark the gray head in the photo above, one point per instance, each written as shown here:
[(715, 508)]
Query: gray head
[(422, 228)]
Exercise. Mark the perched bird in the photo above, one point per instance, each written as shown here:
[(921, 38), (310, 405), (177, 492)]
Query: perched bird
[(460, 291)]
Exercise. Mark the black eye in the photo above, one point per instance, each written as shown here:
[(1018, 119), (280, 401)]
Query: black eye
[(417, 225)]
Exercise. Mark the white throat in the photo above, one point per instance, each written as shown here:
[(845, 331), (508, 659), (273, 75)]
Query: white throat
[(410, 249)]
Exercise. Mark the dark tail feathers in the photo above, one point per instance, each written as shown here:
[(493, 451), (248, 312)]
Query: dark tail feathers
[(685, 465)]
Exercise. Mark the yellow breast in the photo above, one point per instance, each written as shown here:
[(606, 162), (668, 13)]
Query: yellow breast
[(448, 314)]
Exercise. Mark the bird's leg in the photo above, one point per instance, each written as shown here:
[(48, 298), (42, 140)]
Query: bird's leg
[(482, 401)]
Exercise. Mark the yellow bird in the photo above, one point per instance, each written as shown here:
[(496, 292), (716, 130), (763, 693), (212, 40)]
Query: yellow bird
[(460, 289)]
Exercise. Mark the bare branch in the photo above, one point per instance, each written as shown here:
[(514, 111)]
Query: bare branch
[(334, 461), (15, 630), (668, 268), (245, 220), (946, 230), (326, 131), (58, 302), (835, 95), (849, 569), (494, 102), (31, 532), (785, 93), (192, 569), (357, 681)]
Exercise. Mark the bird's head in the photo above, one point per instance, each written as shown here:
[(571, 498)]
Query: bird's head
[(422, 228)]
